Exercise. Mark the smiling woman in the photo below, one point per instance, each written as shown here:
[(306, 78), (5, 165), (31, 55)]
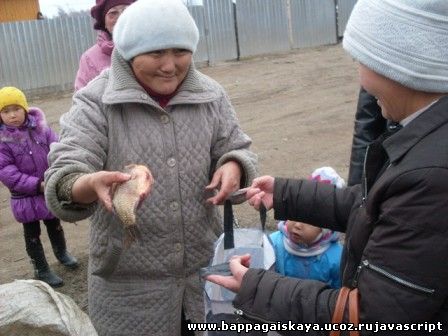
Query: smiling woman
[(162, 71), (152, 107)]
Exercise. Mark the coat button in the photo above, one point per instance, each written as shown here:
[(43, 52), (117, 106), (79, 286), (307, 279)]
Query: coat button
[(178, 247), (144, 96), (31, 153), (164, 119), (174, 206), (171, 162)]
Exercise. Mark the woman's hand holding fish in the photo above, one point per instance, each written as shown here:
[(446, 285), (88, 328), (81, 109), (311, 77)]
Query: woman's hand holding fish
[(97, 187), (261, 191)]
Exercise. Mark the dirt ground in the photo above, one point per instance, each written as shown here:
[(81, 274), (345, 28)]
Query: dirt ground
[(297, 107)]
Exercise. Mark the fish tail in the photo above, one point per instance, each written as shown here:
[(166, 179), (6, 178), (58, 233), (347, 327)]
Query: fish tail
[(132, 234)]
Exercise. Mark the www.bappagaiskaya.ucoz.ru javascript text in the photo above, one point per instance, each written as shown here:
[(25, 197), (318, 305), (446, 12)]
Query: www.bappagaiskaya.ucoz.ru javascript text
[(307, 327)]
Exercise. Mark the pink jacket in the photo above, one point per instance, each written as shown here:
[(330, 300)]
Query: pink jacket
[(94, 60)]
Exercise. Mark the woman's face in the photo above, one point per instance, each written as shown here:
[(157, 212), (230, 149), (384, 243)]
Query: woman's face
[(391, 96), (162, 70), (13, 115), (112, 16), (301, 233)]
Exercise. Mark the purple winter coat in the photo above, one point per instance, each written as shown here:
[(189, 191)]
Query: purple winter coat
[(94, 60), (23, 161)]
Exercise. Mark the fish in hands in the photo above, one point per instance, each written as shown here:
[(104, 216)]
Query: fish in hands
[(128, 196)]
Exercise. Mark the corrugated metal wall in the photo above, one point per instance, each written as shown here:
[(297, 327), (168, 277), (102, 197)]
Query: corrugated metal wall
[(221, 36), (201, 54), (344, 9), (18, 10), (43, 56), (313, 22), (262, 26)]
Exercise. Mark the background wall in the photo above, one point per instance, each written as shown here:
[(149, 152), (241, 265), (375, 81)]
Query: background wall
[(42, 56), (16, 10)]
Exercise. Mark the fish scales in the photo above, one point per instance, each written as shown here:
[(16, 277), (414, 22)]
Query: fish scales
[(128, 196)]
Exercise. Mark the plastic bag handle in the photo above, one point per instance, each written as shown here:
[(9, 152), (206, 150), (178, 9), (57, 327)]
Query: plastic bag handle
[(229, 241)]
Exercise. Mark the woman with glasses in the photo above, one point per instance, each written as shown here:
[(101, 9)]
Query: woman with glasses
[(98, 57)]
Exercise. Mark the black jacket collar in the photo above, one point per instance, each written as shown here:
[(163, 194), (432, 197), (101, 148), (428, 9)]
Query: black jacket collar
[(401, 142)]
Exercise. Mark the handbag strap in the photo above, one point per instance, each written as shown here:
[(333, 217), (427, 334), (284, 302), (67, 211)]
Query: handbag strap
[(338, 313), (229, 240), (353, 309)]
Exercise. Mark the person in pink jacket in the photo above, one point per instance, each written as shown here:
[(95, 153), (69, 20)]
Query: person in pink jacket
[(98, 57)]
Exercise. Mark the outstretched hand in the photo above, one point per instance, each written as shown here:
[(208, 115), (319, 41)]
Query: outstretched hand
[(227, 178), (261, 191), (97, 187), (239, 266)]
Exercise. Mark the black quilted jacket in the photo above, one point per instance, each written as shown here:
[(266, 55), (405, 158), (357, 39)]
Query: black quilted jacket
[(396, 226), (369, 124)]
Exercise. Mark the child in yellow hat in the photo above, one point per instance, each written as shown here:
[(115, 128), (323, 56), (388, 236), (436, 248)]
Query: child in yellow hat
[(25, 140)]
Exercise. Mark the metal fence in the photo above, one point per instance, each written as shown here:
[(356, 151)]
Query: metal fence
[(313, 22), (344, 8), (42, 56), (262, 27), (221, 33), (201, 54)]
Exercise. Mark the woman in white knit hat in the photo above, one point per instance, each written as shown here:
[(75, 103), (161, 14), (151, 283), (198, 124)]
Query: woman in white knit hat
[(396, 222), (153, 108)]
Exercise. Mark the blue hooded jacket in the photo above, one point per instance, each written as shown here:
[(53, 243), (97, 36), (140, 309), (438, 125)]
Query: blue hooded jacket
[(324, 267)]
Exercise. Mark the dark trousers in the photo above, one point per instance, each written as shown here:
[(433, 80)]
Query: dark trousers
[(185, 331), (32, 229)]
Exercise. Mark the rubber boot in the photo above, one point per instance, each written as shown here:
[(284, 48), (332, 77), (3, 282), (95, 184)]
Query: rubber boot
[(59, 246), (42, 271)]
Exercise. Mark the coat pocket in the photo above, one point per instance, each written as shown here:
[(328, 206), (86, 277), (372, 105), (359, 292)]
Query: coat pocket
[(365, 264), (106, 258)]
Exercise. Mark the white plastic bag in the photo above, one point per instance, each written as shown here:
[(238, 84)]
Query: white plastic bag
[(33, 308), (254, 241)]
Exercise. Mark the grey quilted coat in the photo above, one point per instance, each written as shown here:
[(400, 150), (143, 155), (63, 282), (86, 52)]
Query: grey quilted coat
[(113, 122)]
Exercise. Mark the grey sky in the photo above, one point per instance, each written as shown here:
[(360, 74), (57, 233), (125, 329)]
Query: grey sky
[(49, 8)]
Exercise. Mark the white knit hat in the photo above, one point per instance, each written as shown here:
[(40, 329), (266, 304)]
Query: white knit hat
[(403, 40), (149, 25), (328, 175)]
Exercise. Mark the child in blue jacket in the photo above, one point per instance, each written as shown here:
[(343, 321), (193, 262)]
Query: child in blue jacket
[(308, 252)]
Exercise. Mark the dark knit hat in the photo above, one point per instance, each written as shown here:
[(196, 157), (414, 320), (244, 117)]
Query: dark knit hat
[(99, 11)]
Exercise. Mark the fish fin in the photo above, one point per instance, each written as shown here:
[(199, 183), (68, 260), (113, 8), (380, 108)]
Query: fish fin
[(132, 234)]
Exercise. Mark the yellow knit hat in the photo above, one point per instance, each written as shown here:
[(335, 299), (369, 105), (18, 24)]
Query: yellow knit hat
[(10, 95)]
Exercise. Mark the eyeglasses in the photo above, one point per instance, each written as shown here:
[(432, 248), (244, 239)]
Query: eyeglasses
[(114, 13)]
